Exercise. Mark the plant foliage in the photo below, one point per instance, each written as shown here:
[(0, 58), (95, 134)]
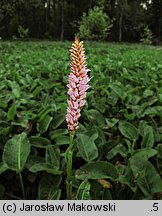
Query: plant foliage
[(118, 147)]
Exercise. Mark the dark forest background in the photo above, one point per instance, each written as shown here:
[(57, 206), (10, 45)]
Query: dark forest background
[(57, 19)]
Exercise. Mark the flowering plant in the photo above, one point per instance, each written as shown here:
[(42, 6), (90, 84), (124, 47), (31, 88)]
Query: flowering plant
[(77, 87)]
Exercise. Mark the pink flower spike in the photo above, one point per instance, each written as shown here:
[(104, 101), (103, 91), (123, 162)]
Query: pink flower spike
[(77, 85)]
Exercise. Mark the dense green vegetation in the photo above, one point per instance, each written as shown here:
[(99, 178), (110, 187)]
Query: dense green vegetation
[(118, 147)]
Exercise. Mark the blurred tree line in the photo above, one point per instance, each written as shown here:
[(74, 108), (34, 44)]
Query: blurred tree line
[(60, 19)]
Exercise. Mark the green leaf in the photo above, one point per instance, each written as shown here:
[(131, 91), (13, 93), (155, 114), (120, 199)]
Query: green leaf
[(146, 176), (34, 159), (144, 153), (83, 191), (58, 133), (39, 142), (119, 149), (142, 125), (96, 117), (130, 116), (48, 187), (44, 124), (43, 112), (160, 95), (97, 170), (11, 112), (128, 130), (86, 146), (112, 122), (118, 88), (148, 137), (15, 88), (37, 91), (16, 152), (58, 120), (148, 93), (159, 158), (3, 167), (4, 131), (126, 177), (22, 121), (44, 167), (154, 111), (62, 140), (53, 156), (56, 195)]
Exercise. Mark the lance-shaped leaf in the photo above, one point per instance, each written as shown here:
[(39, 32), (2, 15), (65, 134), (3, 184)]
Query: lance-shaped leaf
[(147, 177), (48, 187), (16, 152), (97, 170), (148, 138), (87, 147), (83, 190), (128, 130)]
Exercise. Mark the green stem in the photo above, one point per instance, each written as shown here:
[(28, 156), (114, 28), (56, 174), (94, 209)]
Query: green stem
[(22, 185), (69, 168), (133, 146)]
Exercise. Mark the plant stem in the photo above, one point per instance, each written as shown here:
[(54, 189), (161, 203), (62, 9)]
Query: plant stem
[(133, 146), (22, 185), (69, 168)]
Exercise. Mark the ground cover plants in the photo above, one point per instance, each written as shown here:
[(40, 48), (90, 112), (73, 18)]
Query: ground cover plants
[(117, 150)]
